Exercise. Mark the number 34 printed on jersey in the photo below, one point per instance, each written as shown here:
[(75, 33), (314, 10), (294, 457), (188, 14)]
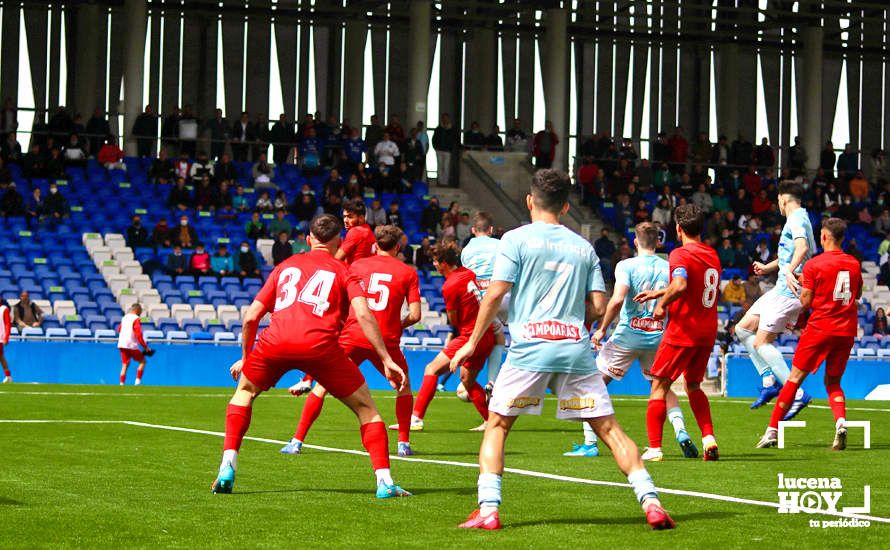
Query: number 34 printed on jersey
[(315, 292)]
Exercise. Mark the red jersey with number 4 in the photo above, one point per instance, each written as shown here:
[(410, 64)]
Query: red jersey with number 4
[(359, 243), (692, 318), (835, 279), (462, 296), (388, 283), (309, 297)]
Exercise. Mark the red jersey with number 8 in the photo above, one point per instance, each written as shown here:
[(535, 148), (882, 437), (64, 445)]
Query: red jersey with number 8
[(692, 318), (388, 283), (835, 279), (309, 296)]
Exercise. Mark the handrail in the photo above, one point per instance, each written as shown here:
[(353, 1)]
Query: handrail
[(495, 189)]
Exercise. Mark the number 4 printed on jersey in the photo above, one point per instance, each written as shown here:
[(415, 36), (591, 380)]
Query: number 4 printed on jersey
[(315, 292), (842, 288)]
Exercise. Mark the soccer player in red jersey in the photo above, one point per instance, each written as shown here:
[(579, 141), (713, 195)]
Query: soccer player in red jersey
[(831, 284), (690, 304), (359, 242), (128, 341), (388, 283), (462, 305), (309, 296)]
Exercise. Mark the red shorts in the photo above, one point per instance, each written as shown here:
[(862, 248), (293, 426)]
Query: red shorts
[(360, 354), (128, 354), (330, 367), (476, 361), (671, 361), (815, 347)]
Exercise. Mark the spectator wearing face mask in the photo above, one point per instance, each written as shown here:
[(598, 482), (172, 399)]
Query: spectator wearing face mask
[(199, 264), (56, 206), (222, 263), (247, 263), (137, 235), (185, 235)]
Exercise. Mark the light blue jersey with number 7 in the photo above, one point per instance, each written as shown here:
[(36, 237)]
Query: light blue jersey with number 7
[(552, 270)]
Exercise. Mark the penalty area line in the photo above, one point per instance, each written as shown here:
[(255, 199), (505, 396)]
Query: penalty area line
[(518, 471)]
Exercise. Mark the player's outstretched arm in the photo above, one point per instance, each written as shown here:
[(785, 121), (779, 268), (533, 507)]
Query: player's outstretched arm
[(252, 317), (413, 314), (488, 309), (366, 320), (676, 289)]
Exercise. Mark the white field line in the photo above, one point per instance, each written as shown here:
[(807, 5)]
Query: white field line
[(519, 471)]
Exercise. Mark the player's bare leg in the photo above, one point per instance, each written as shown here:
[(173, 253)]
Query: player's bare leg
[(124, 367), (237, 422), (627, 457), (311, 410), (477, 394), (139, 372), (837, 402), (701, 408), (7, 375), (375, 440), (491, 471)]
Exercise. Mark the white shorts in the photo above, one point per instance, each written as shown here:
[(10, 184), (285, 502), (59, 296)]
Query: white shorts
[(613, 360), (581, 396), (777, 312)]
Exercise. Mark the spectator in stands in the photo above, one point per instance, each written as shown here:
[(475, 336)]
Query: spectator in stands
[(282, 249), (239, 200), (254, 228), (188, 131), (394, 215), (27, 313), (161, 170), (170, 130), (734, 291), (847, 163), (752, 288), (879, 326), (493, 141), (137, 235), (881, 224), (663, 213), (55, 165), (224, 198), (247, 264), (605, 249), (280, 202), (161, 236), (179, 197), (880, 168), (219, 134), (200, 168), (205, 196), (544, 146), (280, 223), (36, 208), (719, 200), (333, 204), (431, 217), (446, 230), (827, 159), (764, 157), (859, 188), (376, 215), (373, 135), (11, 151), (726, 254), (181, 166), (305, 209), (641, 214), (97, 128), (199, 263), (462, 230), (260, 144), (702, 199), (225, 171), (474, 138), (354, 150), (679, 150), (386, 152), (264, 203), (282, 137), (423, 255), (517, 140), (222, 263), (145, 128), (13, 203), (702, 149), (310, 151), (185, 236), (75, 155), (177, 262), (444, 142), (742, 258), (797, 158), (262, 173), (741, 151), (243, 133), (55, 205), (299, 245), (110, 155)]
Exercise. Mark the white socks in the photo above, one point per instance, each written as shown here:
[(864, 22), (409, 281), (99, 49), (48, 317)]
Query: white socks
[(229, 457), (489, 493), (675, 417), (384, 476), (773, 358), (643, 487), (589, 434)]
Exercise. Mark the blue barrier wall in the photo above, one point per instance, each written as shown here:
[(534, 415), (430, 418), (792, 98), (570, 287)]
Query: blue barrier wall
[(59, 362), (859, 379)]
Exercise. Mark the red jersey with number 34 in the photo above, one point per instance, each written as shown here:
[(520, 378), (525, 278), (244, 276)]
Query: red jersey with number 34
[(835, 280), (359, 243), (388, 283), (692, 318), (308, 295), (462, 296)]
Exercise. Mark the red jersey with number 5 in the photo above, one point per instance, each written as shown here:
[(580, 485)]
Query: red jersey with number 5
[(835, 279), (359, 243), (388, 283), (692, 318), (462, 296), (308, 295)]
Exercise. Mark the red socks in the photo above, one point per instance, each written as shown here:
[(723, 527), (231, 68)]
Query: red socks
[(698, 402), (237, 422), (477, 396), (656, 413), (375, 441), (837, 401), (6, 372), (404, 404), (783, 403), (311, 410), (425, 395), (123, 378)]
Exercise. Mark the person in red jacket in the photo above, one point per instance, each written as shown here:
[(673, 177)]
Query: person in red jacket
[(200, 261), (679, 149), (5, 330), (110, 155)]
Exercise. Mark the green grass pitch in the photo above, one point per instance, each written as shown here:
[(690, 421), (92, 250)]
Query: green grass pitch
[(122, 485)]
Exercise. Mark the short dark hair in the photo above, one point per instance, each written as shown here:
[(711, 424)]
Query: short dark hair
[(793, 188), (355, 206), (325, 227), (647, 235), (388, 236), (837, 227), (482, 222), (690, 218), (447, 252), (550, 189)]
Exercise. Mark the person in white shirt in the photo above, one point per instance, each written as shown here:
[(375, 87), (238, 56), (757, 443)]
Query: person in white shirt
[(386, 151), (128, 342)]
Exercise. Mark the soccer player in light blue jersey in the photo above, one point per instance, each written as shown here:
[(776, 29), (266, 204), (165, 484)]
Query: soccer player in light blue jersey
[(778, 309), (558, 292), (637, 335), (478, 256)]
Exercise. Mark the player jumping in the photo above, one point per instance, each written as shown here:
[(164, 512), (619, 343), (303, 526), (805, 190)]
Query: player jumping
[(128, 342), (388, 283), (779, 308), (462, 306), (308, 295), (5, 331), (478, 256), (637, 335), (690, 303), (831, 285), (558, 291)]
